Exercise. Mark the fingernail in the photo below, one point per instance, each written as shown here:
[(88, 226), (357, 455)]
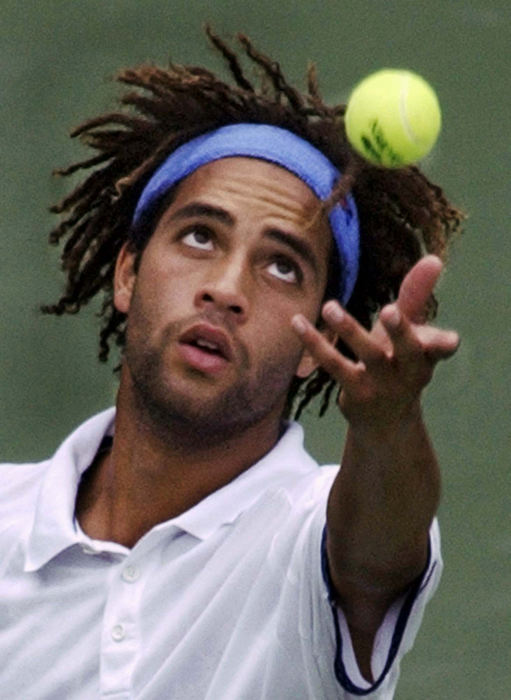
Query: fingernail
[(299, 324), (333, 313)]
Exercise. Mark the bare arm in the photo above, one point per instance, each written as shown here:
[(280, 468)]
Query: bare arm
[(386, 494)]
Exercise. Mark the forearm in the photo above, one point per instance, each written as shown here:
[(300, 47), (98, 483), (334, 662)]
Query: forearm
[(381, 506), (379, 512)]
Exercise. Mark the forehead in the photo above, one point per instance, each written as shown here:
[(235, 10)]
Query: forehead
[(252, 182)]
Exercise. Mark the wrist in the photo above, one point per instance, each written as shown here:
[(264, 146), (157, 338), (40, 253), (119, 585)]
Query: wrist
[(392, 424)]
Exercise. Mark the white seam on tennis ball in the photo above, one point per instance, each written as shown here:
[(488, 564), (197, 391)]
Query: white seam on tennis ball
[(402, 109)]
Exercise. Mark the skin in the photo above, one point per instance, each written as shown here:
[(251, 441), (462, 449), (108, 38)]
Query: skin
[(224, 256), (227, 266)]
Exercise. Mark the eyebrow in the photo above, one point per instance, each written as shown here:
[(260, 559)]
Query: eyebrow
[(201, 209), (300, 246)]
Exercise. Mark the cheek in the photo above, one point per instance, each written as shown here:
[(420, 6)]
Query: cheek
[(162, 286), (273, 313), (272, 334)]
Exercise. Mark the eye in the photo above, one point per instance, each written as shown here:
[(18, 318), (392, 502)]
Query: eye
[(285, 270), (198, 237)]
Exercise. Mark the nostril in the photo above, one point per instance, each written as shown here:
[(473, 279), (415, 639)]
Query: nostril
[(223, 301)]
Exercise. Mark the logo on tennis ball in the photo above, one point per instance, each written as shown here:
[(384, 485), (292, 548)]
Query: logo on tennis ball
[(377, 148)]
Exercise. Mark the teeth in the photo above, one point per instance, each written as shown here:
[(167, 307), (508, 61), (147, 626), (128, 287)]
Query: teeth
[(206, 344)]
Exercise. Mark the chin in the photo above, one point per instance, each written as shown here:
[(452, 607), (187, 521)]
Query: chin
[(202, 407)]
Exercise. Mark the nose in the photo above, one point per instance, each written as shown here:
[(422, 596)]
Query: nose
[(223, 290)]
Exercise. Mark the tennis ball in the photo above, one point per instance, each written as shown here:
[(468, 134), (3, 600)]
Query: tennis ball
[(393, 118)]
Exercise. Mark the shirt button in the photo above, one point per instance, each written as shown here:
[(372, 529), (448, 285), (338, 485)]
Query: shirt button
[(130, 573), (118, 633)]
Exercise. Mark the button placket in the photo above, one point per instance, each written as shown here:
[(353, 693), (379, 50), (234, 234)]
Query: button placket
[(120, 637)]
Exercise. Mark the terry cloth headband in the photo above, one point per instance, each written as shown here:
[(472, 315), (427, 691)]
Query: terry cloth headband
[(276, 145)]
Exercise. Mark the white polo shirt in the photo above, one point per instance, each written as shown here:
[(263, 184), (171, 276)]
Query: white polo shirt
[(228, 601)]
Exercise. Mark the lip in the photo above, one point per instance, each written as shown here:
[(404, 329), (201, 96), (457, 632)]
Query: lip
[(201, 358)]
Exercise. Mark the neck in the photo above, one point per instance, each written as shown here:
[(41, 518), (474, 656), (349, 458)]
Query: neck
[(150, 476)]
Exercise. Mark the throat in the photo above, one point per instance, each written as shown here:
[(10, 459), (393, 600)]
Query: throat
[(141, 482), (126, 493)]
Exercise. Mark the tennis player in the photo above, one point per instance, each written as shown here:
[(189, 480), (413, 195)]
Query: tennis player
[(183, 544)]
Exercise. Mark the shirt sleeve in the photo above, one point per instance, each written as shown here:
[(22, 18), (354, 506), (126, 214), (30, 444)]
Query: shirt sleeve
[(396, 635)]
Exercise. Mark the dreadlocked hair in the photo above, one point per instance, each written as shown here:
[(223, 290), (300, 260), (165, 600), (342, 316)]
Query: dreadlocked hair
[(402, 215)]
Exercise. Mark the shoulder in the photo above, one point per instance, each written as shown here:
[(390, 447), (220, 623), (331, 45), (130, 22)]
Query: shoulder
[(313, 485), (19, 486), (16, 478), (292, 472)]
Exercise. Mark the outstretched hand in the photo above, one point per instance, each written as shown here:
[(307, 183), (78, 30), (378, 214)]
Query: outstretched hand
[(394, 360)]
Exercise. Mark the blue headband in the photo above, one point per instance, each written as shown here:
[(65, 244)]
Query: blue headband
[(277, 146)]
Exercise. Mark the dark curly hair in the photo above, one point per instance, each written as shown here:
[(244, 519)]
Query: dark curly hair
[(402, 215)]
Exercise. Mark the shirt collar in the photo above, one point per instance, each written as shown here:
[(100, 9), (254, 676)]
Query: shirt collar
[(281, 466), (54, 529)]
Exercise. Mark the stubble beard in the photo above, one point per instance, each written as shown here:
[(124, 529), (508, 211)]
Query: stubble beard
[(193, 414)]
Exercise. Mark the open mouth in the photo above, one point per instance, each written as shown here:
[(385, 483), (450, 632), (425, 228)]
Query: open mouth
[(206, 347)]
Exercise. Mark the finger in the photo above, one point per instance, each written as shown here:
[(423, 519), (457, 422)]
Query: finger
[(438, 344), (337, 365), (417, 287), (409, 339), (355, 336), (404, 339)]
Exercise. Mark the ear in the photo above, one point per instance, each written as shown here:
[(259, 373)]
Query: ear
[(124, 279), (308, 362)]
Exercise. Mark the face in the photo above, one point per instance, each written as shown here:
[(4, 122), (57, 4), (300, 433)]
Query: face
[(209, 342)]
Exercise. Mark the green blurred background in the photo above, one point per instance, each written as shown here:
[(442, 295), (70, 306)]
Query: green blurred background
[(57, 59)]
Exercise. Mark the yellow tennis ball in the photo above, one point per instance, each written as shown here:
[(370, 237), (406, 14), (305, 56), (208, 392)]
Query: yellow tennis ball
[(393, 118)]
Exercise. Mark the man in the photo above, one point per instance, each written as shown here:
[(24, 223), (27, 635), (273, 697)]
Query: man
[(185, 545)]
